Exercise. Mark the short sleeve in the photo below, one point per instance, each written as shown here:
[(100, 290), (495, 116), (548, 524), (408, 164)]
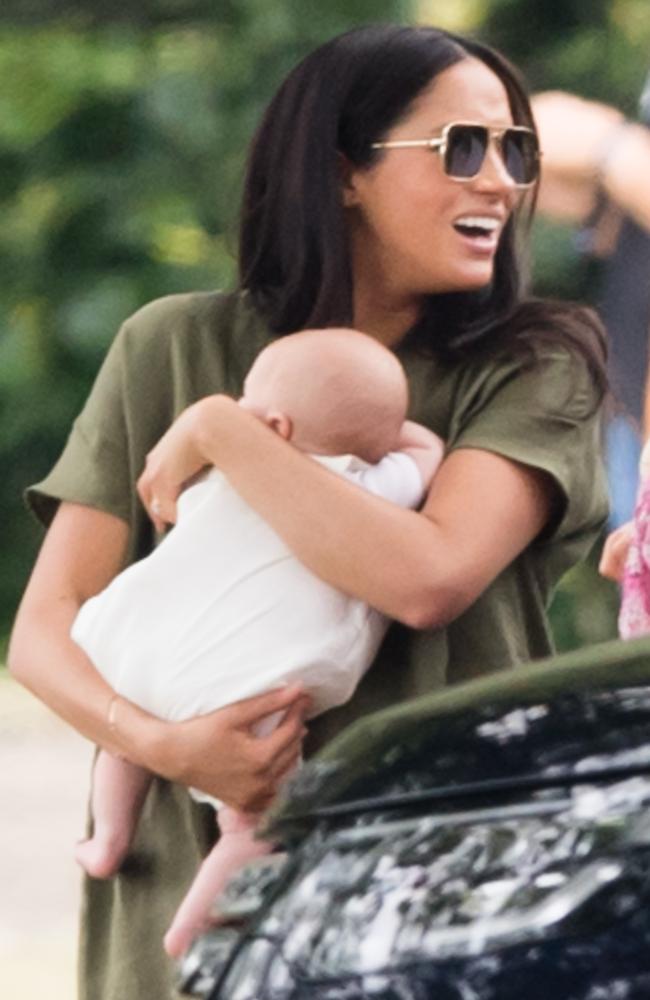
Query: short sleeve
[(93, 468), (140, 388), (167, 355), (544, 414)]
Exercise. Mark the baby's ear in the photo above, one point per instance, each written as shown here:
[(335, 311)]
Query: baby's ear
[(281, 423)]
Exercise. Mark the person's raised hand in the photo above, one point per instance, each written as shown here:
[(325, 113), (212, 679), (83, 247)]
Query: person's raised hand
[(574, 133), (615, 550)]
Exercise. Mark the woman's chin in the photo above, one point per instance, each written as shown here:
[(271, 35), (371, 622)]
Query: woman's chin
[(469, 284), (476, 277)]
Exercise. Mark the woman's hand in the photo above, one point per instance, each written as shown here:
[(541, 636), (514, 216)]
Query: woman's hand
[(174, 460), (182, 452), (220, 754), (615, 550)]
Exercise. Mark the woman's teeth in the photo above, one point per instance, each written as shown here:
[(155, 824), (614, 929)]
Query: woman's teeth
[(476, 225)]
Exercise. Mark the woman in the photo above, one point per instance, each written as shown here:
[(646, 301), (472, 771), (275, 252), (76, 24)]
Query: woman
[(364, 203)]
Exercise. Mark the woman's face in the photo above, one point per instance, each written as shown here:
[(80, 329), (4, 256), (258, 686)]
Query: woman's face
[(408, 220)]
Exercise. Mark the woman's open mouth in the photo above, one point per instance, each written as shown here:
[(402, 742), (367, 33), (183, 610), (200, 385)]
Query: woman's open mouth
[(481, 231)]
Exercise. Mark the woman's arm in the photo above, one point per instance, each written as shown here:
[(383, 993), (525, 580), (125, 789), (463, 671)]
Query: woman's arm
[(83, 550), (423, 568)]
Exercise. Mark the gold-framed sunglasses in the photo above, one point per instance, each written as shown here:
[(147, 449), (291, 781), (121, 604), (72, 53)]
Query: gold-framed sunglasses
[(463, 146)]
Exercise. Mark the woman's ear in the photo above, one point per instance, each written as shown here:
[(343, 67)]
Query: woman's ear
[(348, 173), (281, 423)]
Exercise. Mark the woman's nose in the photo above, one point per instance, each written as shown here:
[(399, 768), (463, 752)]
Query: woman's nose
[(493, 174)]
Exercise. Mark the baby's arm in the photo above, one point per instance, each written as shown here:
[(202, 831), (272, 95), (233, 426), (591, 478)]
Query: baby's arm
[(424, 447)]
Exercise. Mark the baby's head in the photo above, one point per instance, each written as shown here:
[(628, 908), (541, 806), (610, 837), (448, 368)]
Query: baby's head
[(331, 392)]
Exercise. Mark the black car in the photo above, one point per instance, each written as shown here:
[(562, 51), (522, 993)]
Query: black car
[(491, 842)]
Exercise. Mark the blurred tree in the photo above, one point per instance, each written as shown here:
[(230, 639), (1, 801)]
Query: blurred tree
[(122, 135)]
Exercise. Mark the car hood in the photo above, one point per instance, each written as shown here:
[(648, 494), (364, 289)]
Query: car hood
[(569, 718)]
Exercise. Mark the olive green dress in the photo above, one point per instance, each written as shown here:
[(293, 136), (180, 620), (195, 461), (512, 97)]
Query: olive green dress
[(181, 348)]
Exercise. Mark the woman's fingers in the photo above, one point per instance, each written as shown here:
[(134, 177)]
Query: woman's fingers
[(222, 754), (285, 763), (158, 495), (284, 743), (615, 550), (247, 712), (259, 792), (271, 757), (173, 460)]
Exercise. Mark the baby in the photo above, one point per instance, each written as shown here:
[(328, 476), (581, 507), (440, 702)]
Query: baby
[(222, 610)]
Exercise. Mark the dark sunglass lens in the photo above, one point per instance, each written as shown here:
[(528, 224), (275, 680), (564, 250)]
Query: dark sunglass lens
[(466, 145), (520, 156)]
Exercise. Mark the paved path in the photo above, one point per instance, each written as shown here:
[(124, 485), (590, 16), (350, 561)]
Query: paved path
[(43, 785)]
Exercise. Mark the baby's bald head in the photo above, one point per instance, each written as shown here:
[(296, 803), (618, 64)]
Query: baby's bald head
[(342, 391)]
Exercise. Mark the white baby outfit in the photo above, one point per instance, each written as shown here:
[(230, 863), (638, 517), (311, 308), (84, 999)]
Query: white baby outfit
[(222, 610)]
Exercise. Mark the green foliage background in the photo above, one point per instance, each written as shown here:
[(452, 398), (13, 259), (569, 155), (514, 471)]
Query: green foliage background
[(122, 131)]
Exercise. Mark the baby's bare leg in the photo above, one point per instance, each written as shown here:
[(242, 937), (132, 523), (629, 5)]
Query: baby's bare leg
[(237, 846), (118, 793)]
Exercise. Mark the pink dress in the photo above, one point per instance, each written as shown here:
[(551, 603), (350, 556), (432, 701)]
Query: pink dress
[(634, 617)]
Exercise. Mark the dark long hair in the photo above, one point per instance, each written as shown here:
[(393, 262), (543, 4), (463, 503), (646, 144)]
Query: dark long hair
[(293, 253)]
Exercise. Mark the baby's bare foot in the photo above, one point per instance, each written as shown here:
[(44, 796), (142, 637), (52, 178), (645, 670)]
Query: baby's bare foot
[(180, 935), (100, 858)]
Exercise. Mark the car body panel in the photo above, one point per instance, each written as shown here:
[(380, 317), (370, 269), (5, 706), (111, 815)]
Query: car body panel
[(489, 841)]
